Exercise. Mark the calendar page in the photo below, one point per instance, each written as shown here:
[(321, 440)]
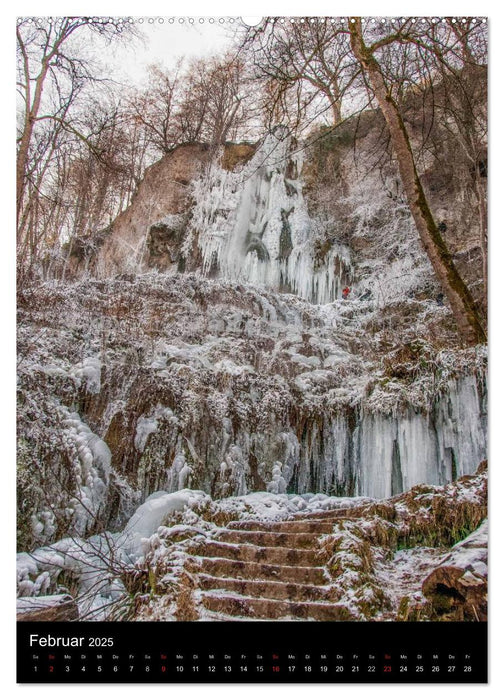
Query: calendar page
[(252, 349)]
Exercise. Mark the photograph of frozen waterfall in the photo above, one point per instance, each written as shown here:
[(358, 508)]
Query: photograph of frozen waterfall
[(252, 319)]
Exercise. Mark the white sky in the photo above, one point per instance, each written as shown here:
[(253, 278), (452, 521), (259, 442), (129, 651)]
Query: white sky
[(164, 43)]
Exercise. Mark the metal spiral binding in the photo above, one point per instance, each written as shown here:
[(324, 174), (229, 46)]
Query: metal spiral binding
[(254, 21)]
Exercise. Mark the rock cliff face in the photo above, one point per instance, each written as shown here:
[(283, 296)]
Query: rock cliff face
[(162, 193), (303, 218), (150, 232)]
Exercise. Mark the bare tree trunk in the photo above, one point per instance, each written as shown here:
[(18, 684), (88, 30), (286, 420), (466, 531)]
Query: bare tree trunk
[(24, 144), (22, 158), (335, 98), (31, 112), (335, 106), (482, 211), (460, 299)]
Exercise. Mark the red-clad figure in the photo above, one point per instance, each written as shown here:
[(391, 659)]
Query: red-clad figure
[(346, 292)]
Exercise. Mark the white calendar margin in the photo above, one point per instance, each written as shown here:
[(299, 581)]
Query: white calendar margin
[(226, 8)]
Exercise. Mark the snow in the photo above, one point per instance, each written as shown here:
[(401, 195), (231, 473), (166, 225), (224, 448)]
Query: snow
[(149, 424), (277, 483), (91, 470), (231, 368), (404, 574), (150, 516), (145, 426), (471, 553), (394, 266), (271, 506), (91, 562), (88, 372)]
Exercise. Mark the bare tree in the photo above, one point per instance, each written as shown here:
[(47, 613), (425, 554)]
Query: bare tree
[(214, 106), (461, 109), (153, 107), (304, 59), (461, 301), (52, 73), (204, 101)]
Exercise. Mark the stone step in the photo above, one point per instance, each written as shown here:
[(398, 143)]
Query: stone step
[(266, 609), (320, 527), (329, 515), (246, 552), (229, 568), (277, 590), (292, 540)]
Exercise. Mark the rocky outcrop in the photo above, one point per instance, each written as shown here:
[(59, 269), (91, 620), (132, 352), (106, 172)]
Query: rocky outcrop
[(457, 588), (150, 231), (162, 193)]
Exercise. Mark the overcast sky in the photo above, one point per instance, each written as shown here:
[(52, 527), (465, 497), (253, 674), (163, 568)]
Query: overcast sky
[(165, 42)]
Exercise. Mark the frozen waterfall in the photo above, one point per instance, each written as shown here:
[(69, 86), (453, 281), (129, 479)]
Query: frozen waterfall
[(254, 226)]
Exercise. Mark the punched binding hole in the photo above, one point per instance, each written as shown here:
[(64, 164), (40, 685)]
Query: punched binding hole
[(251, 21)]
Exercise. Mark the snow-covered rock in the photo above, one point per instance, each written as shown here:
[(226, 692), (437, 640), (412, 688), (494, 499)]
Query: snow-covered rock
[(150, 516)]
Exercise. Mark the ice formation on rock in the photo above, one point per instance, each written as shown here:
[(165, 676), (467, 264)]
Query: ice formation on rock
[(91, 472), (238, 389), (394, 453), (254, 226)]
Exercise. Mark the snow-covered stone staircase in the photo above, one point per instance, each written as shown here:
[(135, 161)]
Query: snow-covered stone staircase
[(269, 571)]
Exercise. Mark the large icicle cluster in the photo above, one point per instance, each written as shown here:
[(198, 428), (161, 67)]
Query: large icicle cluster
[(396, 452), (253, 225)]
